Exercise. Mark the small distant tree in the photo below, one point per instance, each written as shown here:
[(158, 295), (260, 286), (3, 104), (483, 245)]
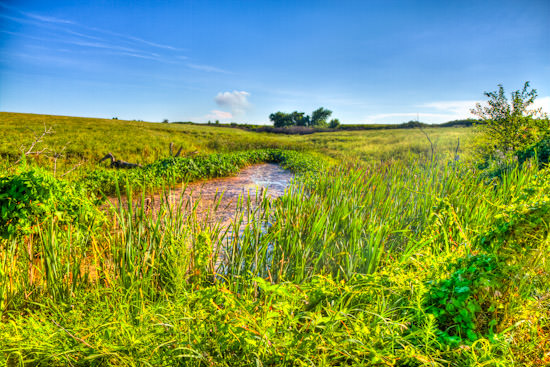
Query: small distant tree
[(510, 125), (217, 122), (165, 121), (334, 123), (320, 116)]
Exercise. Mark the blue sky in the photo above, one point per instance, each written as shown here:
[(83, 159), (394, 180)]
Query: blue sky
[(368, 61)]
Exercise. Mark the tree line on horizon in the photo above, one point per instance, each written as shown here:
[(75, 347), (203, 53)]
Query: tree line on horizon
[(318, 118)]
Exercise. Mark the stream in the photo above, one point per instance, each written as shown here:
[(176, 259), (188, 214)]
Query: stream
[(251, 181)]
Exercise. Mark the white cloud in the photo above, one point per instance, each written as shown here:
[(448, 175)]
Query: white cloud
[(431, 112), (219, 115), (544, 103), (455, 107), (424, 117), (237, 101)]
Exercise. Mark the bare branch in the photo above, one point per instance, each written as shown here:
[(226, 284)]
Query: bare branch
[(430, 140), (56, 156), (73, 168), (37, 140), (73, 336)]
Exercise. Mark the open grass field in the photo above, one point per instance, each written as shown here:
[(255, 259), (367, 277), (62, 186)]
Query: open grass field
[(142, 142), (382, 251)]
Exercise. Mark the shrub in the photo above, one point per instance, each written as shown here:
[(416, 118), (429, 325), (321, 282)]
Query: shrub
[(540, 150), (465, 304), (35, 196), (486, 289), (509, 126)]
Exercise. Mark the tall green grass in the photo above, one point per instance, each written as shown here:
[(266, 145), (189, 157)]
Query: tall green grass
[(334, 272)]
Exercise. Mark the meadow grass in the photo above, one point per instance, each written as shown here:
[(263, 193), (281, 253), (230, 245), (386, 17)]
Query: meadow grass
[(89, 139), (367, 260)]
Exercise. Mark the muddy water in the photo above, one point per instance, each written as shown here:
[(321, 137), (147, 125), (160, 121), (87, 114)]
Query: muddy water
[(249, 182)]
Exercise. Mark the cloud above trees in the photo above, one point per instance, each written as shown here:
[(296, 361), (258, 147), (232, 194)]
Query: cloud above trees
[(236, 101)]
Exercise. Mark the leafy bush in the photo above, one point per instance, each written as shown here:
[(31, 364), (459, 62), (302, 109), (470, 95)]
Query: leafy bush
[(523, 224), (35, 196), (465, 304), (485, 289), (540, 150), (509, 126)]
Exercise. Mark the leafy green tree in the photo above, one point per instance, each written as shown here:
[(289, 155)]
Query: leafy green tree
[(299, 118), (334, 123), (320, 116), (281, 119), (510, 125)]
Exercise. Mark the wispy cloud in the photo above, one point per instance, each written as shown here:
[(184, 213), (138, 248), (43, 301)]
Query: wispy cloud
[(62, 24), (44, 18), (381, 116), (98, 40), (219, 115), (99, 45), (237, 101), (79, 34), (149, 43), (453, 107), (207, 68)]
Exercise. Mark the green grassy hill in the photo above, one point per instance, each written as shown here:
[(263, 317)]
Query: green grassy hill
[(90, 139)]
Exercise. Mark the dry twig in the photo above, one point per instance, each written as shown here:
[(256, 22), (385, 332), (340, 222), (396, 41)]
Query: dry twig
[(37, 140)]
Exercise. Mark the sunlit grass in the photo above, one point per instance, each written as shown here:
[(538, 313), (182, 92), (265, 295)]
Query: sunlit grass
[(337, 271)]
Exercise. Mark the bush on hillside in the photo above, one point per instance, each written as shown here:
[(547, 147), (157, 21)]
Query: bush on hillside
[(508, 126), (540, 150), (34, 196), (485, 289)]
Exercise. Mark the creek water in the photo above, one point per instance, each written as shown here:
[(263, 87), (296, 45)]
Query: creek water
[(251, 182)]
